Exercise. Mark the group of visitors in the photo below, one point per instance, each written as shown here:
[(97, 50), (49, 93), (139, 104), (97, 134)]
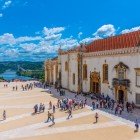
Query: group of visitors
[(108, 103), (27, 87), (62, 92), (76, 103), (39, 108), (5, 85), (15, 88)]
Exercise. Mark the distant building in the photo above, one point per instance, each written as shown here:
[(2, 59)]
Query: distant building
[(110, 66), (51, 70)]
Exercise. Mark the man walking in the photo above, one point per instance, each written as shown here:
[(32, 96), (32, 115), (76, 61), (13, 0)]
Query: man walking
[(49, 116), (69, 113), (96, 117), (53, 119), (93, 105), (137, 126), (4, 115)]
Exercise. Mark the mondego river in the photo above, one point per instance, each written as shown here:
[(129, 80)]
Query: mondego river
[(11, 75)]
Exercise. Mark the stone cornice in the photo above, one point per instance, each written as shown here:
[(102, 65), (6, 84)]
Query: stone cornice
[(130, 51)]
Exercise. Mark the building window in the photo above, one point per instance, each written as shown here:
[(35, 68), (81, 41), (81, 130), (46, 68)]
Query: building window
[(137, 98), (121, 73), (66, 66), (138, 78), (73, 77), (105, 73), (85, 71)]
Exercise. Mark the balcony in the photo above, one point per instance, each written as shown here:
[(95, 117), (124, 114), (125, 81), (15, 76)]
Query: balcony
[(120, 82)]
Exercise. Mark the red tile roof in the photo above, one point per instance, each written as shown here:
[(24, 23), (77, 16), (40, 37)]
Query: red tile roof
[(115, 42)]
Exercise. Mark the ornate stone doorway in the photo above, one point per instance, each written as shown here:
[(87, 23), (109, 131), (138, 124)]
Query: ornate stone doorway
[(95, 82), (121, 96)]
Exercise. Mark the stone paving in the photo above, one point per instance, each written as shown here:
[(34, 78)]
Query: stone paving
[(22, 125)]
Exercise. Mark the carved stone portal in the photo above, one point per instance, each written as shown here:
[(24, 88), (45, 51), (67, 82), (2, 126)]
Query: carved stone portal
[(95, 82)]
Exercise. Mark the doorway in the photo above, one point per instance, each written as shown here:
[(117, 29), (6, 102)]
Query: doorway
[(95, 87), (121, 96)]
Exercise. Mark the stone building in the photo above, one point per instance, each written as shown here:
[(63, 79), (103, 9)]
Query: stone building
[(51, 70), (110, 66)]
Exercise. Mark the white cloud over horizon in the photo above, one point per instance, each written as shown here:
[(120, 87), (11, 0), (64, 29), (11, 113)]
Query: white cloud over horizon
[(48, 41)]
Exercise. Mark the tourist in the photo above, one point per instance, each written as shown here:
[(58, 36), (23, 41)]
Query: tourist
[(96, 117), (69, 113), (116, 110), (13, 88), (35, 109), (53, 108), (49, 117), (58, 103), (137, 126), (93, 105), (4, 115), (50, 105), (16, 88), (40, 107), (43, 108), (85, 102), (52, 119)]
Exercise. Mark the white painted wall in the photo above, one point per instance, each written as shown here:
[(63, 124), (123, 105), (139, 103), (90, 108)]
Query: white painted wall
[(64, 74), (96, 62), (73, 68), (131, 60)]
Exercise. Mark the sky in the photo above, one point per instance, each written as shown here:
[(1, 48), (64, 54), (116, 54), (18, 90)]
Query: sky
[(34, 30)]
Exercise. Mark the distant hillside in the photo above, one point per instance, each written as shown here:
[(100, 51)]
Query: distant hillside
[(24, 64)]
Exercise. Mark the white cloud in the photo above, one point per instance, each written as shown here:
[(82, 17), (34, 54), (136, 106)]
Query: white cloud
[(53, 37), (27, 38), (105, 31), (130, 30), (1, 15), (51, 31), (79, 34), (7, 4), (11, 53), (8, 38), (28, 47), (89, 39), (67, 43)]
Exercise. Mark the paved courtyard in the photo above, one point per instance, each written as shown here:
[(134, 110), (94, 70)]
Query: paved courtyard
[(22, 125)]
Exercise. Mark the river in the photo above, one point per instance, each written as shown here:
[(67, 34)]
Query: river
[(11, 75)]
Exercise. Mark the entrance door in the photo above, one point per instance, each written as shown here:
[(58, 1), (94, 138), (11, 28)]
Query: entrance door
[(95, 87), (121, 96)]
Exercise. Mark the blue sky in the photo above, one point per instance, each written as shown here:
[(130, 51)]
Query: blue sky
[(34, 29)]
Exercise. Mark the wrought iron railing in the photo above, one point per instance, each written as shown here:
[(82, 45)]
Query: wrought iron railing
[(120, 82)]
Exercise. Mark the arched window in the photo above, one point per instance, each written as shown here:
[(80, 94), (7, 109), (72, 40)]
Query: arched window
[(66, 66), (105, 73), (85, 71)]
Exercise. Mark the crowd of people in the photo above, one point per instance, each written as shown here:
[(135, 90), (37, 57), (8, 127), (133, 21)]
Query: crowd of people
[(107, 103)]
